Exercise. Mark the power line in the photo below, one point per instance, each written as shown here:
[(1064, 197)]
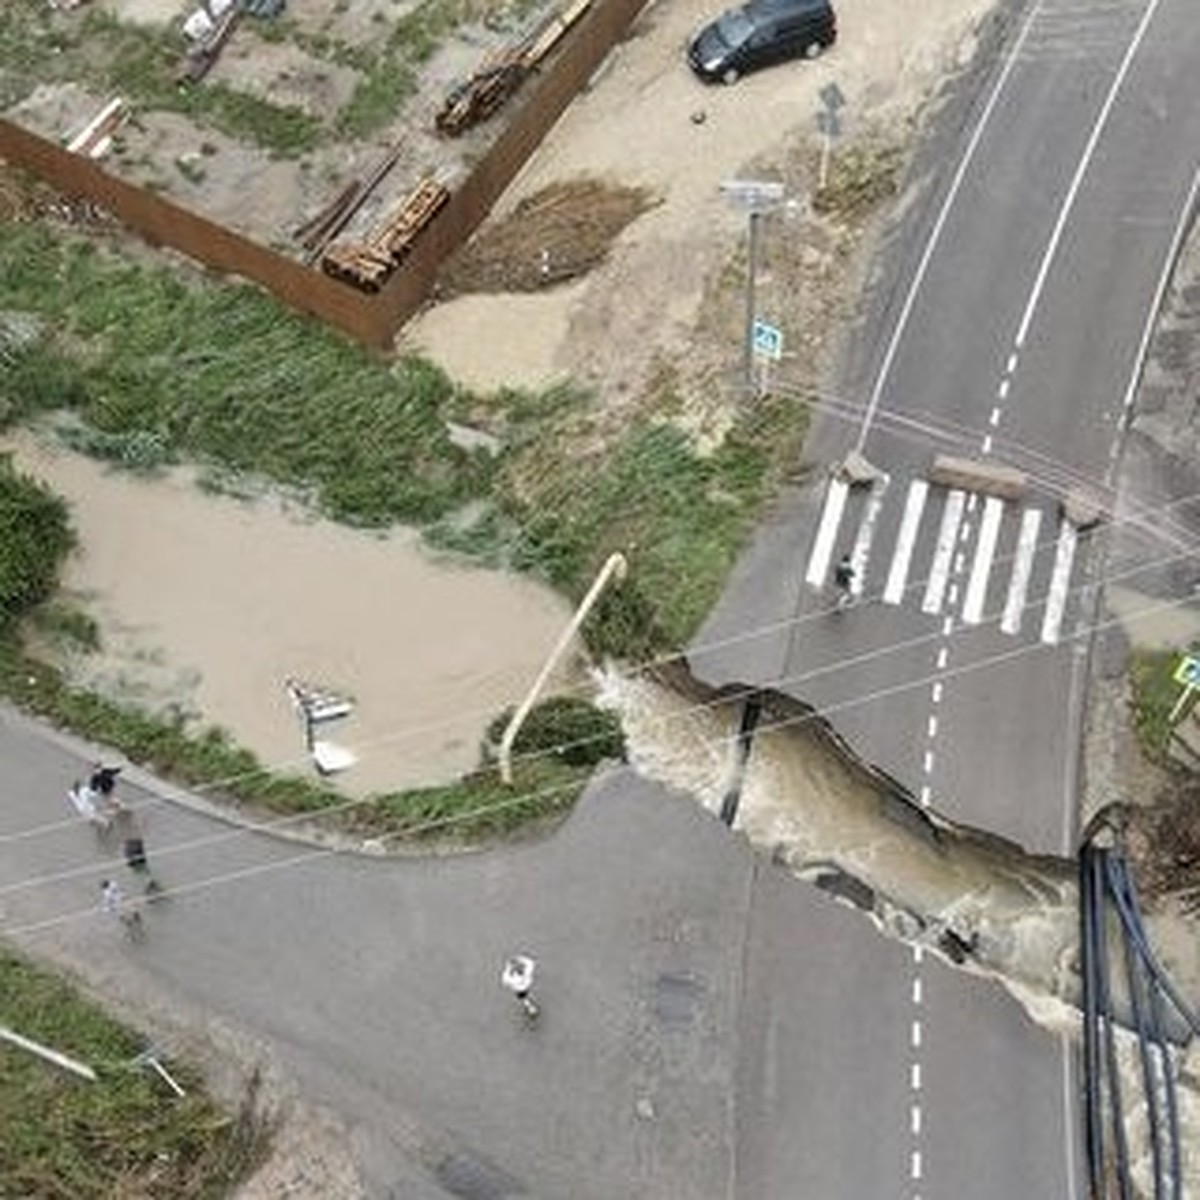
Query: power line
[(438, 823)]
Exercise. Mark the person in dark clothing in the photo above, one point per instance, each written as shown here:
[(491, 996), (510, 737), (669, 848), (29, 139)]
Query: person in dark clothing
[(103, 781), (843, 577)]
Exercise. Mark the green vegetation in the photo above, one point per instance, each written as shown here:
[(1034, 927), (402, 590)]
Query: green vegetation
[(1154, 696), (154, 369), (39, 46), (390, 79), (144, 367), (565, 728), (124, 1135), (34, 539)]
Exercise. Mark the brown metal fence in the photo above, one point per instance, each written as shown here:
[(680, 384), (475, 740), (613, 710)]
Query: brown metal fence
[(371, 319)]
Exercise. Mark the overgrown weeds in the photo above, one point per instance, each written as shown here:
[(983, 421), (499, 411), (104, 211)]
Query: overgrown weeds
[(1154, 695), (124, 1134)]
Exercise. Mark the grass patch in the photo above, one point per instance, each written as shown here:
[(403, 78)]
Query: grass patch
[(157, 369), (390, 79), (38, 46), (220, 374), (122, 1135), (1154, 695)]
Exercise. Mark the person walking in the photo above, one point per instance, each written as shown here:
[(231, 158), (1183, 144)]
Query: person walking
[(84, 805), (112, 903), (517, 976), (843, 578)]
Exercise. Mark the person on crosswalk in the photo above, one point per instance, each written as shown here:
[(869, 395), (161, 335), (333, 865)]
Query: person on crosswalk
[(843, 578)]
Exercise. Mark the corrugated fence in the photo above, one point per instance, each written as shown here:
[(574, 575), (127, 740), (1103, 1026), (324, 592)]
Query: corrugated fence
[(371, 319)]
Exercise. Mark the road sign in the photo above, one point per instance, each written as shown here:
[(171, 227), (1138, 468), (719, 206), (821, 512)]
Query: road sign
[(828, 122), (753, 195), (831, 97), (1188, 671), (768, 341)]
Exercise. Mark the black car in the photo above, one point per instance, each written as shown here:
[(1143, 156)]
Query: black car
[(760, 33)]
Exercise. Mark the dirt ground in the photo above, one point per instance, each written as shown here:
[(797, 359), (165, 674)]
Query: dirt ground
[(646, 123), (248, 188)]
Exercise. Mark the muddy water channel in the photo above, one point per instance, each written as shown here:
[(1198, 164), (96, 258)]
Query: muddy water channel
[(209, 603)]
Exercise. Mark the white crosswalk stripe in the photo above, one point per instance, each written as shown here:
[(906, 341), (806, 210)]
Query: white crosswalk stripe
[(1064, 557), (951, 572), (860, 556), (831, 518), (981, 568), (1031, 522), (939, 573), (914, 506)]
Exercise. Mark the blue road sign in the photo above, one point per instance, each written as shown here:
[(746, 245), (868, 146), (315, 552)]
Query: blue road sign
[(768, 343), (1188, 670)]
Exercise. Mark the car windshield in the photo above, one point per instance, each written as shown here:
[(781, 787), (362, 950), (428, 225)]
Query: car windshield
[(735, 28)]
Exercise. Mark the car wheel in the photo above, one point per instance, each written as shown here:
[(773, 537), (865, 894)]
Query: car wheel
[(813, 50), (730, 75)]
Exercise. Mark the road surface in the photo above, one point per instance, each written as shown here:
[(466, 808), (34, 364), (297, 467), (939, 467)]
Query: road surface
[(1012, 333)]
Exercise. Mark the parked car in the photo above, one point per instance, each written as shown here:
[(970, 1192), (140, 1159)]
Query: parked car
[(760, 33)]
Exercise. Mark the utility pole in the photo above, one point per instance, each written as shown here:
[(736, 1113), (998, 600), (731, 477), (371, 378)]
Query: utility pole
[(756, 198)]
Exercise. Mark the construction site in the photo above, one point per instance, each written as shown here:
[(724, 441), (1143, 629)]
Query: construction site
[(260, 137)]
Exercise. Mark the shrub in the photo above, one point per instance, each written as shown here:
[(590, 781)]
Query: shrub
[(35, 537), (568, 729)]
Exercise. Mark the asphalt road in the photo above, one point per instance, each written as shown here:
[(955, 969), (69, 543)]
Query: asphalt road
[(712, 1028), (1009, 327)]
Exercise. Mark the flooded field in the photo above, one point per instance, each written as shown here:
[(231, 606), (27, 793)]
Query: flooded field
[(209, 603)]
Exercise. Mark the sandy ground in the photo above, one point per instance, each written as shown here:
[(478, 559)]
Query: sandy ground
[(208, 604), (636, 127)]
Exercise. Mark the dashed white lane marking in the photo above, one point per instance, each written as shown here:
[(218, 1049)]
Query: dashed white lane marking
[(831, 518), (914, 1120), (972, 504), (928, 761), (1001, 394), (914, 506), (942, 658), (1018, 584), (1056, 602), (936, 694), (916, 1035), (1011, 366), (914, 1077), (861, 553), (939, 572), (947, 626), (926, 795), (932, 728), (987, 444), (916, 991), (981, 568), (916, 1164), (952, 595), (959, 560)]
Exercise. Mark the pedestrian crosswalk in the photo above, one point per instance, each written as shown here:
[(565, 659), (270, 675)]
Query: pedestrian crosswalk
[(950, 552)]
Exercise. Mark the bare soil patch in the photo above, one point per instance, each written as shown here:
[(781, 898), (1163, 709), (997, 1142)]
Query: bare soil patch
[(558, 233)]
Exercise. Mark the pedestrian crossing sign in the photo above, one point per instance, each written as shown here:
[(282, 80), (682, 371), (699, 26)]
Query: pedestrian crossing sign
[(768, 340), (1188, 672)]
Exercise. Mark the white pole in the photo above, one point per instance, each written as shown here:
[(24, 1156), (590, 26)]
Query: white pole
[(1184, 697), (54, 1056), (615, 566)]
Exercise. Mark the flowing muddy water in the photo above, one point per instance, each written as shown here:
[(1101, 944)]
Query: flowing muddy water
[(210, 603)]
